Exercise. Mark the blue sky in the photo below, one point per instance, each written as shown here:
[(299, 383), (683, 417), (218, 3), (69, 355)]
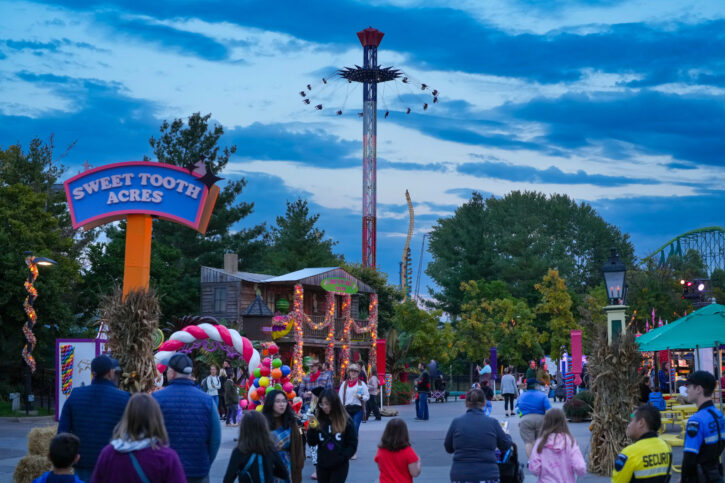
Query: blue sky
[(620, 104)]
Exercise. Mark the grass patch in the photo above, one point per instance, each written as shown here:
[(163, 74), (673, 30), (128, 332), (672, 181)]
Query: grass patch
[(6, 411)]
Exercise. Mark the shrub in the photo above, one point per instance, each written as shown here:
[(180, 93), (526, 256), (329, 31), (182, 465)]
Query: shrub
[(580, 406), (401, 393)]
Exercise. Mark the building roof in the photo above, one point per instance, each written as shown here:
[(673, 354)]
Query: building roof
[(300, 274), (219, 274), (258, 309)]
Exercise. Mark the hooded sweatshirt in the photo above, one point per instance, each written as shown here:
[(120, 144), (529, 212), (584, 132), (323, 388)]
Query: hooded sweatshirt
[(160, 464), (559, 462)]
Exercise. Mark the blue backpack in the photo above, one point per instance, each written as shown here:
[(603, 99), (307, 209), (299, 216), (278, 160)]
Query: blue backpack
[(656, 400)]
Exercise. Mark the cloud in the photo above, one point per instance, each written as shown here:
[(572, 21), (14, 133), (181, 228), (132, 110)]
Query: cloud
[(552, 174)]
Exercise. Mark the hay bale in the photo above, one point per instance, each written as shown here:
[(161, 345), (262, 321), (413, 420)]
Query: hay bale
[(30, 467), (39, 440)]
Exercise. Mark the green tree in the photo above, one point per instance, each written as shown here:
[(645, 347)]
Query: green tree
[(555, 307), (388, 295), (592, 316), (296, 242), (431, 337), (178, 252), (516, 239)]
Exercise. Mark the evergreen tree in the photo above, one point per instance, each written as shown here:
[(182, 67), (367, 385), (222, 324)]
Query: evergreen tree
[(296, 242)]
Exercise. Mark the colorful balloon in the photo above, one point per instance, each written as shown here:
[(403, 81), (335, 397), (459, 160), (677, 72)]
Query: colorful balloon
[(266, 362), (286, 370), (288, 387), (291, 395), (264, 371), (259, 408), (278, 387), (264, 381), (261, 392), (256, 382), (273, 348), (243, 403), (257, 372), (253, 395), (277, 363), (276, 373)]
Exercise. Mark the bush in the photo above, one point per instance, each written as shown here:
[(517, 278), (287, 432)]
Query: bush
[(580, 406), (401, 393)]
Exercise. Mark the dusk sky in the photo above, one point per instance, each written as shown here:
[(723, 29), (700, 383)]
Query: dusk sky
[(620, 104)]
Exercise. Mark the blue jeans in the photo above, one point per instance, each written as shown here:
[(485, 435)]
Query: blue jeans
[(422, 412), (216, 400), (356, 420)]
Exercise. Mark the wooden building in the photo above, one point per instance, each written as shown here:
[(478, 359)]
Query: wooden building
[(249, 301)]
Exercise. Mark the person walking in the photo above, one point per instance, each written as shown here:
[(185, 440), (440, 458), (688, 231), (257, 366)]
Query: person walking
[(532, 405), (704, 433), (91, 412), (333, 432), (649, 458), (223, 375), (191, 420), (286, 434), (473, 439), (211, 384), (313, 380), (231, 400), (353, 394), (374, 391), (556, 457), (423, 388), (396, 460), (139, 450), (509, 391), (255, 459)]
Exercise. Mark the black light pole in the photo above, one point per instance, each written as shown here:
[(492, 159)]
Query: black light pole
[(32, 262), (614, 272)]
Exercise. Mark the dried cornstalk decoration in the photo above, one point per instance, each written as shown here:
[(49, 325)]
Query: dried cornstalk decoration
[(131, 324), (613, 372)]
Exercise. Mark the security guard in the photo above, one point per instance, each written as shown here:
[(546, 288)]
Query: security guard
[(704, 433), (649, 459)]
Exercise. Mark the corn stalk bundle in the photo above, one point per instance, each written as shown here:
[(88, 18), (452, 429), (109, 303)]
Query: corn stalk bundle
[(131, 324), (613, 372)]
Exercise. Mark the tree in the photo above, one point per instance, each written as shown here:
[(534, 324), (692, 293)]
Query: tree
[(592, 316), (296, 242), (516, 239), (178, 252), (388, 295), (555, 306), (431, 337)]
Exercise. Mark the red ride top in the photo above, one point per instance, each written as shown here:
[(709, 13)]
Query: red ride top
[(393, 465), (370, 36)]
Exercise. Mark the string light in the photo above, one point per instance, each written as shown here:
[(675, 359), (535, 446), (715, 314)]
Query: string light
[(330, 339), (345, 335), (373, 324), (30, 311), (297, 370)]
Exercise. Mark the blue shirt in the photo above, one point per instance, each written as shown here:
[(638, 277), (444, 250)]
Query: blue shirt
[(486, 370), (533, 402), (701, 433)]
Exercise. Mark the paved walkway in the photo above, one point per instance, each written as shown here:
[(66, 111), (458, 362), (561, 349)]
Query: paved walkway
[(426, 436)]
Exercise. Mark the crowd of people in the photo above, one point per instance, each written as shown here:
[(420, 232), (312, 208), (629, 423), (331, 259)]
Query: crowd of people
[(174, 434)]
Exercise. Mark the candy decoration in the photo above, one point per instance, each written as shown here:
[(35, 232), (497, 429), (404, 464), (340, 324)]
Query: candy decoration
[(217, 333), (297, 370), (388, 385), (158, 338), (67, 353), (30, 312)]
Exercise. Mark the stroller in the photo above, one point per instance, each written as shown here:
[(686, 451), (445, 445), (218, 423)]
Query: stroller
[(439, 393), (509, 468)]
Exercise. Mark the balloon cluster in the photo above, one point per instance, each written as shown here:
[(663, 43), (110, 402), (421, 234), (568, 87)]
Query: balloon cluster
[(270, 375)]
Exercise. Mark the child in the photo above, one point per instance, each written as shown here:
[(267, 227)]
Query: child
[(556, 456), (396, 459), (63, 454), (488, 392), (333, 432), (255, 459)]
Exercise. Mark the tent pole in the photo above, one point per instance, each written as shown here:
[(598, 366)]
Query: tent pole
[(719, 371), (699, 362)]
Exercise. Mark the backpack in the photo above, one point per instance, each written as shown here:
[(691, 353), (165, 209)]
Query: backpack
[(509, 469), (205, 385), (245, 474)]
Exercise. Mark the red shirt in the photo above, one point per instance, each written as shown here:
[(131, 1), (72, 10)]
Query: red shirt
[(393, 465)]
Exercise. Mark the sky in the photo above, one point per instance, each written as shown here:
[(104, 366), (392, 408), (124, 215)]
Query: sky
[(619, 104)]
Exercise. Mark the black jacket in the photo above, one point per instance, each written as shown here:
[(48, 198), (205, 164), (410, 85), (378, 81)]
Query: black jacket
[(333, 450), (272, 465)]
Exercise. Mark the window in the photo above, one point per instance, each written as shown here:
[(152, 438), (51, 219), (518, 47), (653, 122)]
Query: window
[(220, 299)]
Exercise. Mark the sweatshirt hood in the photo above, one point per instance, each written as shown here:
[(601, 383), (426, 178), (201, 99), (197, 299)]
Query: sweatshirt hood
[(127, 446), (557, 442)]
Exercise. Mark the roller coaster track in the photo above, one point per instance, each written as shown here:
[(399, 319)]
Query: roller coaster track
[(405, 268), (709, 242)]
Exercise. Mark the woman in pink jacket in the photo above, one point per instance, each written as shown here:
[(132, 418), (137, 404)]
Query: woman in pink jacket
[(556, 457)]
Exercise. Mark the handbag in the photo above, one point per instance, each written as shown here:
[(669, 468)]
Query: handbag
[(353, 409)]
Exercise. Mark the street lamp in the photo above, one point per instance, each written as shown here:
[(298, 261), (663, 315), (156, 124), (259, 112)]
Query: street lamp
[(614, 272), (32, 262)]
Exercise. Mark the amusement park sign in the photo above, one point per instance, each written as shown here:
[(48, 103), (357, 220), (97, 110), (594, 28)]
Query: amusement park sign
[(113, 192), (339, 285)]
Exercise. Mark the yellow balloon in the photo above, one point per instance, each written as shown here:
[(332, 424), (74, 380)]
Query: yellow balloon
[(264, 381), (259, 408)]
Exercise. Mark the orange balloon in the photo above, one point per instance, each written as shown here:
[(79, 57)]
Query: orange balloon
[(253, 394), (276, 373), (265, 352), (291, 395)]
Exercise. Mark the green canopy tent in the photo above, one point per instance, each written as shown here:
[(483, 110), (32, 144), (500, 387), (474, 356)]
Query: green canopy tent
[(701, 329)]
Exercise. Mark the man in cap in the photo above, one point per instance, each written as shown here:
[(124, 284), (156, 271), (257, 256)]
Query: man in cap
[(91, 412), (532, 405), (191, 419), (649, 458), (704, 433), (313, 380)]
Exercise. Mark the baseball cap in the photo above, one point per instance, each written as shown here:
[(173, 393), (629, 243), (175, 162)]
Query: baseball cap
[(103, 364), (703, 379), (181, 363)]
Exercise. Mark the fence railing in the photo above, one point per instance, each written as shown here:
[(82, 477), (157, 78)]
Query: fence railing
[(308, 331)]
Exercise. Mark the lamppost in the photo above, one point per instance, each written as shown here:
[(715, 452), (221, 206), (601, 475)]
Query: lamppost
[(614, 272), (32, 262)]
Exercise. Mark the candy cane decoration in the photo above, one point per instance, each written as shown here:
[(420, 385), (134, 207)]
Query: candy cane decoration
[(67, 354), (219, 333), (30, 312)]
